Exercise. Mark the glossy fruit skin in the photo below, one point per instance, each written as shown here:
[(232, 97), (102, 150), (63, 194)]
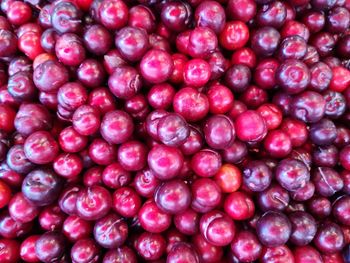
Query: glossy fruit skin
[(297, 131), (11, 43), (309, 253), (165, 161), (257, 176), (245, 56), (72, 56), (250, 126), (71, 141), (85, 250), (273, 198), (26, 123), (137, 107), (187, 222), (123, 254), (293, 47), (151, 123), (345, 176), (91, 73), (124, 82), (293, 76), (21, 209), (68, 165), (110, 231), (7, 118), (323, 132), (277, 254), (113, 14), (16, 84), (329, 231), (272, 14), (336, 14), (228, 178), (65, 18), (129, 51), (327, 181), (234, 35), (51, 218), (206, 194), (173, 130), (172, 237), (303, 228), (320, 76), (246, 246), (283, 101), (160, 96), (168, 198), (242, 10), (143, 246), (193, 143), (201, 49), (335, 104), (88, 197), (220, 99), (152, 219), (145, 183), (217, 228), (278, 144), (260, 41), (159, 73), (320, 207), (219, 132), (186, 97), (71, 95), (237, 77), (126, 202), (29, 44), (17, 160), (10, 228), (254, 96), (41, 187), (207, 252), (5, 194), (75, 228), (344, 157), (340, 210), (323, 42), (116, 127), (183, 252), (271, 114), (304, 193), (239, 206), (315, 21), (86, 120), (27, 249), (11, 250), (218, 65), (292, 174), (210, 14), (49, 246), (142, 17), (273, 221), (196, 72), (308, 106)]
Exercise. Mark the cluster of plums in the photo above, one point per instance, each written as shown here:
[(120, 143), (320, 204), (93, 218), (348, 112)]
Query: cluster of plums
[(197, 131)]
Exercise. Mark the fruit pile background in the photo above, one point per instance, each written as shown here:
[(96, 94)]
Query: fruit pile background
[(173, 131)]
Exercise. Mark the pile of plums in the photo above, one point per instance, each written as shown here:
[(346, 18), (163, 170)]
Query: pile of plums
[(177, 131)]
